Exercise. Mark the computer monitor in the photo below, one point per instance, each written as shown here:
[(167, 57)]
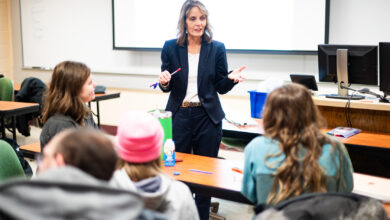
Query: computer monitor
[(384, 67), (348, 64)]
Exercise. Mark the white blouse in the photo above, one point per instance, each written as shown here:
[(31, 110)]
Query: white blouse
[(192, 86)]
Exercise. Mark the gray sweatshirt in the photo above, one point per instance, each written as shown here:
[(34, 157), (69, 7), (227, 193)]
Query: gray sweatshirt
[(69, 193), (160, 193)]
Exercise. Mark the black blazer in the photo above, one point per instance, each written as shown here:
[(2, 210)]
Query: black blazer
[(212, 76)]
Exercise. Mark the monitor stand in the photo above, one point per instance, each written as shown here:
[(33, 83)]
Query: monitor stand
[(383, 98), (342, 77)]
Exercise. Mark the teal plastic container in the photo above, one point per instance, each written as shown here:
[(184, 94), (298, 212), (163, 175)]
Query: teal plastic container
[(257, 103)]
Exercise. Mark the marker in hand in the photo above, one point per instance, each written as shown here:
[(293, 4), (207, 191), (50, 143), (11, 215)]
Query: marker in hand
[(154, 85)]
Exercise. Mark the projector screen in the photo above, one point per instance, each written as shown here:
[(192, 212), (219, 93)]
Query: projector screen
[(290, 26)]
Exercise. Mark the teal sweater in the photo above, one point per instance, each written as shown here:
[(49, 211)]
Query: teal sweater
[(258, 177)]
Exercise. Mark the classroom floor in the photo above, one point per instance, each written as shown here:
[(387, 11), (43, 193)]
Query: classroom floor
[(227, 209)]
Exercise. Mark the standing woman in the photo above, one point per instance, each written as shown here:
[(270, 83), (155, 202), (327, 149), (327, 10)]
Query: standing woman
[(196, 110), (71, 87)]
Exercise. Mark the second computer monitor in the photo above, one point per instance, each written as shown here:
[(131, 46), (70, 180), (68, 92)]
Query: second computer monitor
[(384, 67), (348, 64)]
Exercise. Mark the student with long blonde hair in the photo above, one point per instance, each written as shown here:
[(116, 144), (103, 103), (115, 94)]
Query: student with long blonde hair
[(294, 156), (71, 87)]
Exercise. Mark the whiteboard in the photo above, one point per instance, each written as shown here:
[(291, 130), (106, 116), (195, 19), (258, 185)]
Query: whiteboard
[(80, 30), (281, 25)]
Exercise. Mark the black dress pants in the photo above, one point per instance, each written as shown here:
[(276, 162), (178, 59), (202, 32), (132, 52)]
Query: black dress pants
[(192, 130)]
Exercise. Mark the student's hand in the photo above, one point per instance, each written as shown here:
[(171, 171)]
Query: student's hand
[(164, 78), (236, 75)]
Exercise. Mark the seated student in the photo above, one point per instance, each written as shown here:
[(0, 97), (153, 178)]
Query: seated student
[(71, 183), (88, 150), (294, 156), (138, 142), (71, 87)]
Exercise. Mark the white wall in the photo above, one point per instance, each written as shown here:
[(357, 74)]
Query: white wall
[(259, 66)]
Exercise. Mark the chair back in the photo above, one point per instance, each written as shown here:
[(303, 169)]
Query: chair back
[(9, 163), (319, 206), (6, 89)]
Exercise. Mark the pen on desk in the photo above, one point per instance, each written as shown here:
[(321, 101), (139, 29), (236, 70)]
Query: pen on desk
[(200, 171), (236, 169), (154, 85)]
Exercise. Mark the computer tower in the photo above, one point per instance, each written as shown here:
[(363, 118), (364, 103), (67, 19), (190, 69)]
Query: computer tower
[(384, 67)]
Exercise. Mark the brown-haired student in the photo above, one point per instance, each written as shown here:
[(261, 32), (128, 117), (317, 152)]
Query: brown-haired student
[(71, 87), (294, 156)]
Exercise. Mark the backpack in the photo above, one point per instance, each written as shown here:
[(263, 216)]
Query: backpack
[(321, 206), (31, 90)]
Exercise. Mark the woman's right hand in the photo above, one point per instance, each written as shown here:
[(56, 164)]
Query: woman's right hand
[(164, 78)]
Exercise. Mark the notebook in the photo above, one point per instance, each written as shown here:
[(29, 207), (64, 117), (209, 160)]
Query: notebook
[(344, 132)]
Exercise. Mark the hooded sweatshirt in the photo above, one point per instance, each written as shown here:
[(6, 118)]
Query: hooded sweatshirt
[(69, 193), (160, 193)]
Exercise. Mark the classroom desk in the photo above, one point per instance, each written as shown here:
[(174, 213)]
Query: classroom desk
[(222, 183), (98, 98), (101, 97), (367, 114), (13, 109), (31, 150), (226, 184), (369, 152)]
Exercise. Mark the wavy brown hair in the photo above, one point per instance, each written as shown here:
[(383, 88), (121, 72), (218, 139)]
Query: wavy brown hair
[(291, 118), (63, 95), (181, 26)]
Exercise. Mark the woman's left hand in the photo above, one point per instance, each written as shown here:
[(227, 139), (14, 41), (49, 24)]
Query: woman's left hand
[(236, 75)]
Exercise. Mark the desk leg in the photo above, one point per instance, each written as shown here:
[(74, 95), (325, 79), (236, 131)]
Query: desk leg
[(14, 128), (2, 128), (98, 113)]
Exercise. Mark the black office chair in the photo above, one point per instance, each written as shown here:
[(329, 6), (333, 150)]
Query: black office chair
[(321, 206)]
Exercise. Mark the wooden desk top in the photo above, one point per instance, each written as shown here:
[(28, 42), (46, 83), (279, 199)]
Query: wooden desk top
[(222, 183), (8, 108), (370, 104), (34, 148), (222, 174), (223, 178), (369, 139)]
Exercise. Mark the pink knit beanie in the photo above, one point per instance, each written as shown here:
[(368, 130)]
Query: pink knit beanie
[(139, 137)]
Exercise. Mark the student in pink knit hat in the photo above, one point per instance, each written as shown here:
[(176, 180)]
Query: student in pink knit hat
[(138, 142)]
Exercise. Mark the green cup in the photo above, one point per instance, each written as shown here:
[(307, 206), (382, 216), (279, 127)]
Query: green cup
[(165, 118)]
